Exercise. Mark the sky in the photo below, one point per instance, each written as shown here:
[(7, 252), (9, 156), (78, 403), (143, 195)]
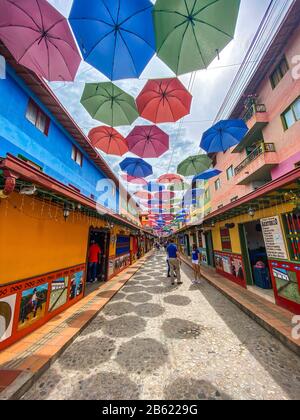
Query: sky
[(209, 90)]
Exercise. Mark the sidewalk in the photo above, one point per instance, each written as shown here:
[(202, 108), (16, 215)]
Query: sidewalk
[(273, 318), (24, 362)]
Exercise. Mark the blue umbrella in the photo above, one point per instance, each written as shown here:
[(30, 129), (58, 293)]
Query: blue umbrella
[(223, 135), (205, 176), (155, 202), (136, 167), (116, 37)]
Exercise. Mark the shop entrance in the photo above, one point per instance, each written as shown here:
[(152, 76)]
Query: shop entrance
[(101, 238), (255, 259), (209, 248)]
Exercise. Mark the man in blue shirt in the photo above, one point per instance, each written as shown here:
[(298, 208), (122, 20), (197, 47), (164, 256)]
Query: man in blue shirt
[(174, 262)]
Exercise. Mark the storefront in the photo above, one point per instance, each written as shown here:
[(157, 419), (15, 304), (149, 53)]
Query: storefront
[(257, 244)]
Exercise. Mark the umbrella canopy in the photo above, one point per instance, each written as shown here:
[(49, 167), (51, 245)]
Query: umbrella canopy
[(108, 140), (190, 34), (223, 135), (206, 175), (164, 195), (164, 100), (148, 141), (109, 104), (39, 38), (143, 195), (194, 165), (134, 180), (156, 202), (115, 37), (170, 179), (136, 167), (181, 187)]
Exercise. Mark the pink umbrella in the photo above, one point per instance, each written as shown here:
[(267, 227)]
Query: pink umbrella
[(170, 179), (134, 180), (148, 141), (164, 195), (143, 195), (39, 38)]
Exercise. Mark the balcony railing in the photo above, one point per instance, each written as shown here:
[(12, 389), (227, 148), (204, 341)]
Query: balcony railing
[(260, 150), (254, 109)]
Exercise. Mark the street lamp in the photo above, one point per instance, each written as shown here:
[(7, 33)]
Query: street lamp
[(251, 212)]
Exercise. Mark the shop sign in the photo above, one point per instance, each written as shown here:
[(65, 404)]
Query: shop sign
[(273, 237)]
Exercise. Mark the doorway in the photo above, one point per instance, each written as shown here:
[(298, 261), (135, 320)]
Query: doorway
[(209, 248), (101, 238), (255, 260)]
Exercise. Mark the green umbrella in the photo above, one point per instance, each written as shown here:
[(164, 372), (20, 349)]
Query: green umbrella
[(190, 34), (194, 165), (109, 104)]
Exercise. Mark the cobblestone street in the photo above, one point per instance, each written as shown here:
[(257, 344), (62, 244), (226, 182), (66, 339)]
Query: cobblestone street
[(157, 341)]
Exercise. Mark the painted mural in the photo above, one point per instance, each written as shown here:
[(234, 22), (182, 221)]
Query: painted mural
[(76, 287), (33, 306), (7, 310), (287, 284), (231, 265), (59, 293)]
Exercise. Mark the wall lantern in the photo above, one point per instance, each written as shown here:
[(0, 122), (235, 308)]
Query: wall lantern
[(251, 212), (213, 223), (66, 213)]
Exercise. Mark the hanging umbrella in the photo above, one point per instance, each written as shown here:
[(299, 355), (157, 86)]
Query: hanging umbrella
[(181, 187), (108, 140), (164, 101), (164, 195), (170, 179), (194, 165), (206, 175), (109, 104), (136, 167), (155, 202), (153, 187), (143, 195), (223, 135), (148, 141), (134, 180), (39, 38), (190, 34), (115, 37)]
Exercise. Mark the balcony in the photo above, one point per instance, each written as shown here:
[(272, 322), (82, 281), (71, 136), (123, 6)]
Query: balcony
[(257, 166), (256, 118)]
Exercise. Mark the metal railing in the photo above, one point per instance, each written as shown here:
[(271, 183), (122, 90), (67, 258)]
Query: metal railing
[(260, 150), (254, 109)]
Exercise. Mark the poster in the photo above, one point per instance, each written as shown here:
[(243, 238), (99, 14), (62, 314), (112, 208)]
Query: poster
[(122, 262), (33, 306), (231, 266), (273, 237), (59, 293), (287, 284), (7, 310), (76, 284)]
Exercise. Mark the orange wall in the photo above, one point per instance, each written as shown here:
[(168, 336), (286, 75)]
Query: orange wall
[(35, 239)]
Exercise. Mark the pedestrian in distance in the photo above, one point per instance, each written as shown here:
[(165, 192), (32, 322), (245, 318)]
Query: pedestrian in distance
[(94, 259), (174, 261), (196, 261)]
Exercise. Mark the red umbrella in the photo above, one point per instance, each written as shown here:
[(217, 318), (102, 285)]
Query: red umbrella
[(164, 100), (165, 195), (148, 141), (39, 38), (170, 179), (134, 180), (108, 140)]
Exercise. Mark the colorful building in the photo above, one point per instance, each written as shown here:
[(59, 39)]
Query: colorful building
[(252, 234), (56, 196)]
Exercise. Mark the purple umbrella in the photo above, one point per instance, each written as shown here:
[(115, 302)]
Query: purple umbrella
[(39, 38), (148, 141)]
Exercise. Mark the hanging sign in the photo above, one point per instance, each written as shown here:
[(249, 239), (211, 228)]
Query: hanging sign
[(273, 237)]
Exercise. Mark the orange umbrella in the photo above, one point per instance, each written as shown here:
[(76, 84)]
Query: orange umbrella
[(143, 195), (108, 140), (170, 179)]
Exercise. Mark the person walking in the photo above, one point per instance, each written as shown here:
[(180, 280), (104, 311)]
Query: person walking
[(94, 258), (173, 258), (196, 260)]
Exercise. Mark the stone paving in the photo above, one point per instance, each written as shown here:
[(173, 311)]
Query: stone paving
[(156, 341)]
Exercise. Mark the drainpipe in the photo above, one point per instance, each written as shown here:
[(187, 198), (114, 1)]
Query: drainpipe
[(9, 184)]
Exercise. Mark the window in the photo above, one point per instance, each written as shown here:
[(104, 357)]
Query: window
[(279, 72), (37, 117), (217, 184), (291, 115), (230, 173), (77, 156), (225, 240)]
